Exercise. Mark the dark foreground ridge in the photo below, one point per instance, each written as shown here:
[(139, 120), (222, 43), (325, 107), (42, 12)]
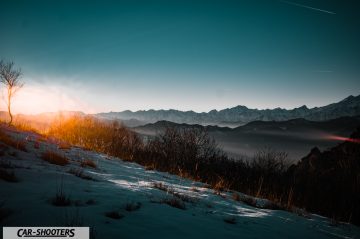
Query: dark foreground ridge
[(328, 182)]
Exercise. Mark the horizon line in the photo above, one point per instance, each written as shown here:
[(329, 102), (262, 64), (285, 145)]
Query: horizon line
[(169, 109)]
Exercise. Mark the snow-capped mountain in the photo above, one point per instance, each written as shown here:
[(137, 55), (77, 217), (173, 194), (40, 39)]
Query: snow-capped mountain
[(239, 115)]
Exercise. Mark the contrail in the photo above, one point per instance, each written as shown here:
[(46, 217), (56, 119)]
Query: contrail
[(308, 7)]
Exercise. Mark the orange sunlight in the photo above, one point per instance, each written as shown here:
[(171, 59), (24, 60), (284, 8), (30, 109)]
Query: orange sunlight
[(35, 100)]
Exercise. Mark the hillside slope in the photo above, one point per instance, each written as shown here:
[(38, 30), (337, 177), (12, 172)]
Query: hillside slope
[(148, 204)]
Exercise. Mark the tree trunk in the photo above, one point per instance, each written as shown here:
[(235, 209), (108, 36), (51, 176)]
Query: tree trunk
[(9, 106)]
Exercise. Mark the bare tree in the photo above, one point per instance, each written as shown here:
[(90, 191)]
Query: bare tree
[(10, 77)]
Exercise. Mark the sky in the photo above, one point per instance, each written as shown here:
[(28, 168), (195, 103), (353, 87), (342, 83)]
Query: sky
[(100, 56)]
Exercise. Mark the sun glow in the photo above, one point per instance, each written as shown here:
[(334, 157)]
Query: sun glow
[(38, 99)]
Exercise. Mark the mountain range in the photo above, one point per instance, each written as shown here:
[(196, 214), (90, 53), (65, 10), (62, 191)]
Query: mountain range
[(295, 137), (239, 115)]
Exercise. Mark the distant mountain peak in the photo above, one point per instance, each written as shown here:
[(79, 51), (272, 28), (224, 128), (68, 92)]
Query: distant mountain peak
[(303, 107), (241, 114), (240, 107), (213, 111), (350, 98)]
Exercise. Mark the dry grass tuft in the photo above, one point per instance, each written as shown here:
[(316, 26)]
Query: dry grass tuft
[(221, 185), (54, 158), (161, 186), (133, 206), (194, 189), (167, 189), (230, 220), (236, 197), (252, 201), (61, 199), (150, 167), (80, 174), (114, 215), (64, 146), (88, 163), (174, 202), (17, 144)]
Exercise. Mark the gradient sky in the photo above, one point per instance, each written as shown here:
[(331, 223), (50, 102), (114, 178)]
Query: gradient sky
[(98, 56)]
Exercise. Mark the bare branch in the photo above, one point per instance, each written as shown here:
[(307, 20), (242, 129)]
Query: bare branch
[(10, 77)]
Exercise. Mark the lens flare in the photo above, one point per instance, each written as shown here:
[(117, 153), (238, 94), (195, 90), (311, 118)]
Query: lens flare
[(340, 138)]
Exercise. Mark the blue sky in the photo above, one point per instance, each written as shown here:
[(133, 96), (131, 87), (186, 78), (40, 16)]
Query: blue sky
[(98, 56)]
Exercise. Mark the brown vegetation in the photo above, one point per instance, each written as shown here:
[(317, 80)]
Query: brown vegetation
[(106, 137), (88, 162), (55, 158), (174, 202), (80, 174), (17, 144), (169, 190)]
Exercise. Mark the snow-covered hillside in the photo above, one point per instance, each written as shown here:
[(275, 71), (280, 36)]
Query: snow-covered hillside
[(123, 200)]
